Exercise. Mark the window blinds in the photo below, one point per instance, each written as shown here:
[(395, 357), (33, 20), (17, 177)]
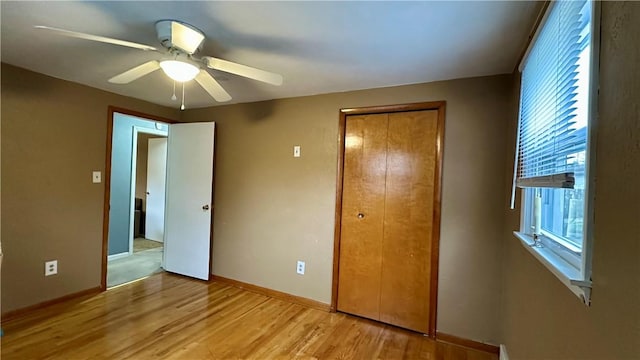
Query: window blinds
[(552, 130)]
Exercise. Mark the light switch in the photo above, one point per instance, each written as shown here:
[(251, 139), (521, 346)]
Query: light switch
[(97, 177), (296, 151)]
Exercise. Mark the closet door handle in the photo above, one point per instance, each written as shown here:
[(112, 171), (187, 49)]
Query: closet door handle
[(360, 216)]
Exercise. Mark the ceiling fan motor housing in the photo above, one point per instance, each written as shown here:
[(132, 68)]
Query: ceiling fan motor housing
[(174, 34)]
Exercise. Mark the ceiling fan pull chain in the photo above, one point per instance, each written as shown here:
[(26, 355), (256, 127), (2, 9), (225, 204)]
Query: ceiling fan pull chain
[(182, 106), (173, 97)]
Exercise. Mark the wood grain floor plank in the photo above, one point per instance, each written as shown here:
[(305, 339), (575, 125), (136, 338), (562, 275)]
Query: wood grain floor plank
[(171, 317)]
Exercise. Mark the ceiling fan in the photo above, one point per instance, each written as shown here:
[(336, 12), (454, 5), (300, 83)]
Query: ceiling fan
[(180, 42)]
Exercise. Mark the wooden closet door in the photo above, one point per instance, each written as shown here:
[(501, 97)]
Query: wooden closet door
[(365, 163), (405, 283)]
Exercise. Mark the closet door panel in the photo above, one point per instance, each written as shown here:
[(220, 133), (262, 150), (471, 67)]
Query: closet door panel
[(408, 222), (362, 215)]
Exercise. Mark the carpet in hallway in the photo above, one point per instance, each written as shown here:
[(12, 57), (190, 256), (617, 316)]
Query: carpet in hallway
[(141, 244), (133, 267)]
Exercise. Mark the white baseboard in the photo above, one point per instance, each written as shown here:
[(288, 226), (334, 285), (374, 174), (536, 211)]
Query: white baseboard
[(118, 256), (503, 352)]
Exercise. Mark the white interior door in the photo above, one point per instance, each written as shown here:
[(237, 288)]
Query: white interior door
[(188, 200), (156, 176)]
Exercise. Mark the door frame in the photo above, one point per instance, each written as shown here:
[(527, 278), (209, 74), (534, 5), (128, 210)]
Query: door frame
[(134, 167), (107, 180), (437, 199)]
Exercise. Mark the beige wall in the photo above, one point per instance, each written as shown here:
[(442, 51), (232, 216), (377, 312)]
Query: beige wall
[(54, 135), (542, 319), (272, 209)]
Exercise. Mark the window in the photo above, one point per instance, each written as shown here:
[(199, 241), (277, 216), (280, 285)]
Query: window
[(554, 150)]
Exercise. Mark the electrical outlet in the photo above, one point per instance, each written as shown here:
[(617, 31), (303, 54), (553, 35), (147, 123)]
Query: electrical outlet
[(51, 267), (300, 267)]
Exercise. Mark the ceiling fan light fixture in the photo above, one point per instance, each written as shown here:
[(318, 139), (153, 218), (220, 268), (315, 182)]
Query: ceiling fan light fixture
[(179, 71)]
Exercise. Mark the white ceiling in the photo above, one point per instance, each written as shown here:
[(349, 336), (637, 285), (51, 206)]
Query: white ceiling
[(319, 47)]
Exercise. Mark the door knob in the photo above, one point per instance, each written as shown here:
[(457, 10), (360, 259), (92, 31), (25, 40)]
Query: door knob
[(205, 207), (360, 216)]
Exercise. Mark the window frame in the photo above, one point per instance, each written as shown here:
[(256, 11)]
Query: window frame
[(571, 269)]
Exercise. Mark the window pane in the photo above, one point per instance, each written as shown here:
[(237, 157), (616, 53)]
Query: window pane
[(563, 211), (562, 214)]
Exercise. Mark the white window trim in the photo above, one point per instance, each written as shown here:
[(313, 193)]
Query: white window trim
[(578, 280), (561, 268)]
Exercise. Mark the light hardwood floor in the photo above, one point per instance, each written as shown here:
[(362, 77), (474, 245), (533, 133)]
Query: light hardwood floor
[(172, 317)]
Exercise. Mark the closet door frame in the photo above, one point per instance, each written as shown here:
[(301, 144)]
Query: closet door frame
[(436, 105)]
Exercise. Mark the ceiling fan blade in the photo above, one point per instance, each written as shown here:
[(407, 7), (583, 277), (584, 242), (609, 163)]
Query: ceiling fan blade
[(243, 70), (135, 73), (212, 87), (96, 38)]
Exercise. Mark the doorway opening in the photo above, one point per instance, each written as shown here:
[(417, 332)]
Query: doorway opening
[(137, 199), (184, 227)]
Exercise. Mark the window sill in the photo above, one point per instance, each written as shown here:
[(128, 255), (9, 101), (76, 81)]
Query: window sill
[(565, 272)]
